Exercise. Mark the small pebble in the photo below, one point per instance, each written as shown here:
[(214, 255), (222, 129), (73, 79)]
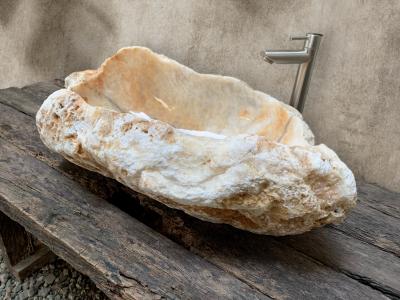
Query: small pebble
[(31, 292), (44, 291), (16, 288), (24, 295), (8, 292), (4, 277), (49, 279)]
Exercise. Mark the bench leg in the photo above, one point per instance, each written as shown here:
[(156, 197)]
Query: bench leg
[(22, 253)]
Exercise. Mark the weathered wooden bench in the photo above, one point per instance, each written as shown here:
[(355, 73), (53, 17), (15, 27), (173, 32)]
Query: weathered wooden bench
[(135, 248)]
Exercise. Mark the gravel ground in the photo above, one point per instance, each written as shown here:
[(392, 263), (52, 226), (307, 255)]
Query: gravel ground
[(55, 281)]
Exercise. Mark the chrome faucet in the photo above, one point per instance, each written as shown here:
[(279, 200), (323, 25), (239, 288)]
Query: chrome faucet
[(305, 58)]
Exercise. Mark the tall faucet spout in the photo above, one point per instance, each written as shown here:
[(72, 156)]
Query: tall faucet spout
[(304, 58), (286, 56)]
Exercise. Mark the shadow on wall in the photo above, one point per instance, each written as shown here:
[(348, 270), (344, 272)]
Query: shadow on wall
[(59, 32), (54, 42), (90, 30), (7, 11)]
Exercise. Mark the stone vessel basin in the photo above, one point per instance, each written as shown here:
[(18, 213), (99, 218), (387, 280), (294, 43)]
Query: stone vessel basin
[(206, 144)]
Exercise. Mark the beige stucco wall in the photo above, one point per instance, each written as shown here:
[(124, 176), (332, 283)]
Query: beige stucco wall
[(354, 99)]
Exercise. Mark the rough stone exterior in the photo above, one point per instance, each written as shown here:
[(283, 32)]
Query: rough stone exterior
[(207, 144)]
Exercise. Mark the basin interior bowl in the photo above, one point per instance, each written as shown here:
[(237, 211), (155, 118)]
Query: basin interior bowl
[(138, 80)]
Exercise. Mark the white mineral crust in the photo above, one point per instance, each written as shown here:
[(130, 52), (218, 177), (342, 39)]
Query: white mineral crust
[(206, 144)]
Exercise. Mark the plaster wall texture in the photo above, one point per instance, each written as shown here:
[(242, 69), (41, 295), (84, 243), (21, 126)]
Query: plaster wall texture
[(354, 99)]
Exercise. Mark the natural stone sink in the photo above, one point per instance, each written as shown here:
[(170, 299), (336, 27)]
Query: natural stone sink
[(207, 144)]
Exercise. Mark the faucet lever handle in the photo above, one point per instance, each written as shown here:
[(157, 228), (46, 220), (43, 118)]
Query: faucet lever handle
[(298, 38)]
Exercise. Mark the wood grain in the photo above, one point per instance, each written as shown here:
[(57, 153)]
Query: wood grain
[(373, 227), (350, 256), (379, 199)]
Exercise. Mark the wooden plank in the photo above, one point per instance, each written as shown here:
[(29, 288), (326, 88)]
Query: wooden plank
[(41, 90), (189, 234), (125, 258), (14, 97), (373, 227), (379, 198), (271, 265), (350, 256), (28, 99)]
